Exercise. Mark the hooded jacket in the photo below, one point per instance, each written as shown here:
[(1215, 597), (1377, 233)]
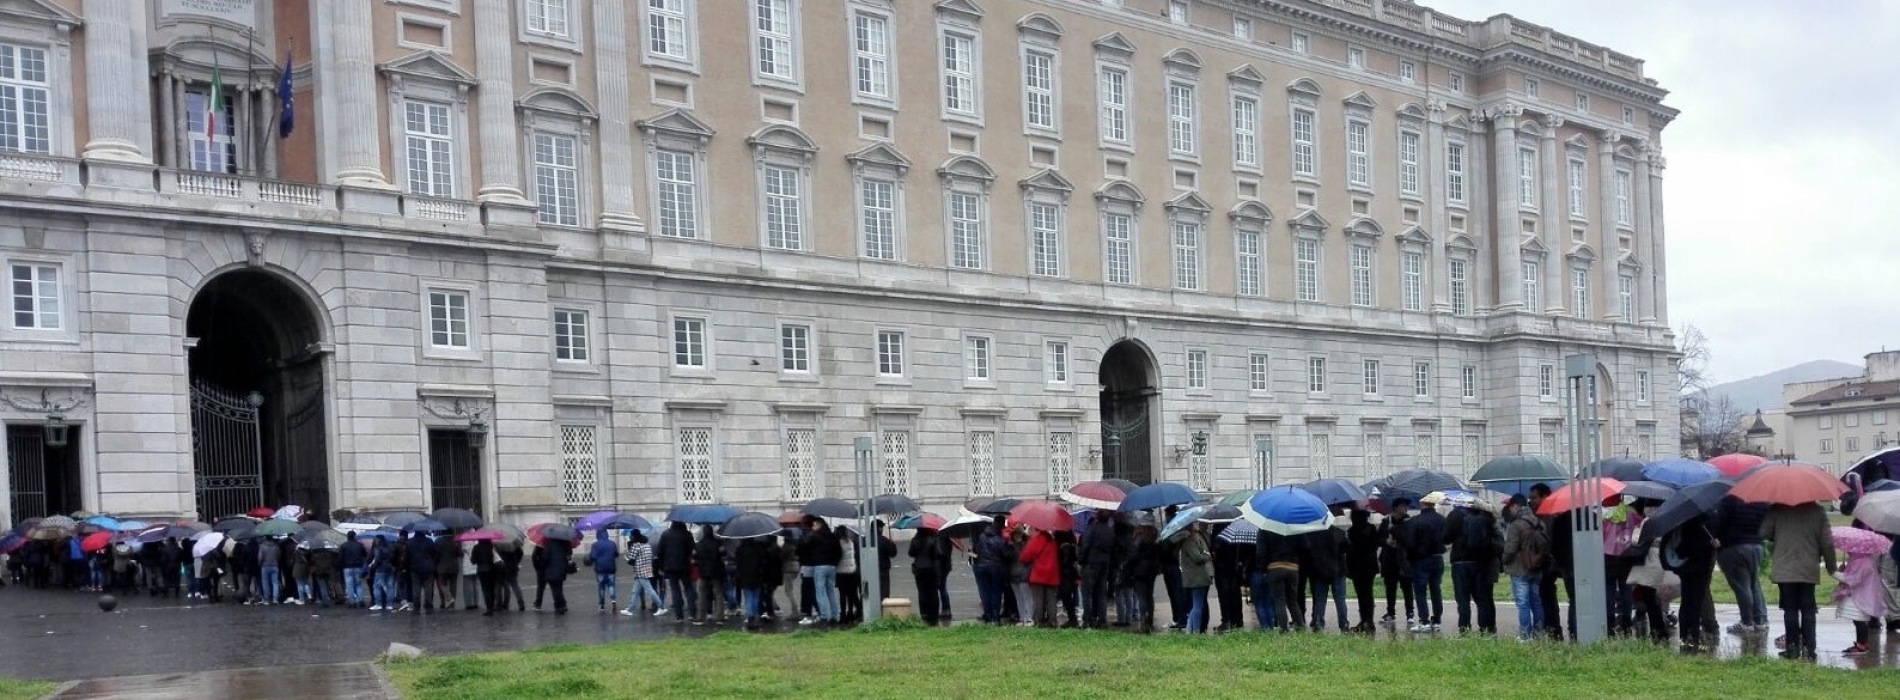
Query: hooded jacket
[(674, 553), (1044, 562)]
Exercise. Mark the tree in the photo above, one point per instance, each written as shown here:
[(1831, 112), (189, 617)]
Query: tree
[(1711, 425)]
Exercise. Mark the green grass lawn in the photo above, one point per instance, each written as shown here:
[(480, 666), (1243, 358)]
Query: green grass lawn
[(11, 689), (973, 661), (1718, 589)]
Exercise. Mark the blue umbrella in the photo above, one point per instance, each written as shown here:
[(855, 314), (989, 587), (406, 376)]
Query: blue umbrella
[(402, 519), (426, 525), (1680, 472), (1624, 469), (1158, 495), (627, 521), (1181, 521), (703, 513), (1287, 510), (1335, 491), (105, 522), (381, 533)]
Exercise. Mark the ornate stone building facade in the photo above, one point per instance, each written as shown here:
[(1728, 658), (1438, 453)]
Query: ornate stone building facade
[(539, 256)]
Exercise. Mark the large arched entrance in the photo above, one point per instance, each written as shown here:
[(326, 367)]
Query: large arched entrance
[(1130, 401), (258, 435)]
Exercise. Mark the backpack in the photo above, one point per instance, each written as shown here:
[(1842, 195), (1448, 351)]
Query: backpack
[(1534, 550), (1474, 533)]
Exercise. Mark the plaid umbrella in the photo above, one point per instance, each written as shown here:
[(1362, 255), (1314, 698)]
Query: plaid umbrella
[(1241, 531)]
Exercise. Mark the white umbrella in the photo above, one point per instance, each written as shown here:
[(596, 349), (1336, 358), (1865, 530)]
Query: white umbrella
[(291, 513), (207, 542)]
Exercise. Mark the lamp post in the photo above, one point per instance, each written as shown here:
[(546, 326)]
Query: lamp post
[(1586, 534), (870, 566)]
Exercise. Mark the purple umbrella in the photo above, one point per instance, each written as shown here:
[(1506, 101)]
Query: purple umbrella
[(593, 521)]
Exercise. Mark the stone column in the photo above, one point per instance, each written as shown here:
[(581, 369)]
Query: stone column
[(495, 102), (1653, 287), (1433, 152), (1554, 226), (1504, 225), (118, 88), (1608, 227), (618, 159), (345, 50), (167, 125)]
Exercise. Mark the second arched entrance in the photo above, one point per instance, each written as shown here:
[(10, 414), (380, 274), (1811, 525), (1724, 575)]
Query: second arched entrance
[(1131, 400)]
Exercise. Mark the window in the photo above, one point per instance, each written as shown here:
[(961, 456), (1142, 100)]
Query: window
[(547, 17), (1316, 375), (1362, 293), (1249, 264), (1473, 452), (1196, 369), (1623, 216), (1370, 378), (1412, 281), (774, 26), (668, 35), (976, 358), (1118, 242), (1302, 43), (877, 199), (213, 146), (1468, 381), (557, 179), (430, 158), (1263, 460), (1530, 87), (1629, 115), (1421, 380), (1408, 162), (890, 353), (26, 101), (1456, 82), (794, 348), (1642, 387), (580, 465), (1355, 57), (1827, 446), (896, 461), (1583, 100), (784, 219), (1061, 459), (1425, 450), (1547, 381), (1181, 126), (1113, 92), (966, 230), (676, 187), (1187, 255), (1408, 71), (1303, 159), (982, 457), (696, 465), (1055, 362), (801, 464), (1827, 422), (1527, 178), (570, 335), (1246, 126), (1455, 172), (1460, 274), (1039, 90), (1259, 373), (1178, 11), (36, 297), (1306, 269), (1322, 449), (1577, 208), (689, 342), (1532, 299), (448, 317), (871, 52), (1580, 292), (1853, 444), (1243, 28), (1358, 154), (959, 75), (1045, 235), (1626, 297), (1548, 442)]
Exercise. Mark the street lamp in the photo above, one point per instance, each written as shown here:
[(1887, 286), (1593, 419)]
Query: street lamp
[(477, 433), (55, 429)]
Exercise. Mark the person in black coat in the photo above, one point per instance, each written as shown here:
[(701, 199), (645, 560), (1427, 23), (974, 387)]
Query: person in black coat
[(508, 576), (1424, 540), (755, 567), (1279, 556), (1362, 564), (560, 553), (709, 558), (1227, 577), (674, 558), (482, 555), (422, 558), (928, 556), (1142, 568), (1324, 567), (1096, 555)]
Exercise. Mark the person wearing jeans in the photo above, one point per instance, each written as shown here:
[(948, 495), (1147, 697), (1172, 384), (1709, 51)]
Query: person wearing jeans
[(1524, 565), (1197, 573), (1424, 538), (991, 570), (605, 556), (1474, 566), (1737, 527)]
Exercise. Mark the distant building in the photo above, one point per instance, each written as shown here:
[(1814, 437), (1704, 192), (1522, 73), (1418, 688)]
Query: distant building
[(1835, 422)]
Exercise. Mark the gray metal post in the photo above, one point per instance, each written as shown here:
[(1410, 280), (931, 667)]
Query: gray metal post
[(870, 568), (1589, 590)]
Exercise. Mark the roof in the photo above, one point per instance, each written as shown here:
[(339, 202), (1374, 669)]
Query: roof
[(1851, 390)]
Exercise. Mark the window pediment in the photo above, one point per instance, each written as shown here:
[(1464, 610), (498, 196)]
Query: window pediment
[(1630, 262), (960, 9), (1189, 203), (782, 138), (879, 156), (1415, 236), (557, 101), (1578, 141), (38, 12), (968, 168), (1360, 101), (1533, 246), (1583, 253), (1246, 77), (1251, 212), (1184, 61), (1304, 91), (1119, 190), (1114, 44), (1309, 223), (1047, 180), (676, 124), (1412, 111), (1463, 243), (1364, 228), (1040, 26), (428, 66)]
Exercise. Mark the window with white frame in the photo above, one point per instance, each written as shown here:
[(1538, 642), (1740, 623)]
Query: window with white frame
[(1549, 444), (580, 465), (1408, 71), (1412, 281), (1361, 268), (959, 74), (891, 359), (1355, 57), (26, 100), (794, 348), (1827, 447), (1316, 375), (1320, 447), (1183, 129), (1421, 380), (1358, 153), (1473, 452), (1118, 248), (1187, 254), (1055, 362), (775, 46), (676, 193), (448, 319), (1531, 87), (570, 336), (429, 149), (1249, 263), (1112, 90), (966, 230), (1039, 89), (1577, 202), (801, 463), (982, 457), (1246, 131), (877, 204), (213, 146), (1045, 239), (1408, 162), (1583, 100), (1642, 386), (1532, 296), (1547, 381), (669, 29), (784, 208), (1853, 443), (557, 179), (1260, 373), (1306, 269), (1527, 178), (896, 461), (689, 342), (1200, 463), (1468, 381), (1455, 172), (1623, 186), (1827, 422), (1196, 369), (1375, 448), (871, 56), (1243, 28), (1880, 418), (1456, 82), (1301, 42), (35, 289), (1178, 11), (1304, 162), (547, 17), (694, 448), (1371, 376), (1263, 459), (1626, 297), (1580, 291), (976, 358), (1061, 459), (1460, 273)]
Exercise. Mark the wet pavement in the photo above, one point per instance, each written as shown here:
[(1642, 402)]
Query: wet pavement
[(359, 681)]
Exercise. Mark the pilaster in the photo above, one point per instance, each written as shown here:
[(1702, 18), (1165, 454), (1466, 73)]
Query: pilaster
[(495, 102)]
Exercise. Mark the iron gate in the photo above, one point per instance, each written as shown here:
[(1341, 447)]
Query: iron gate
[(455, 471), (227, 451), (1125, 436)]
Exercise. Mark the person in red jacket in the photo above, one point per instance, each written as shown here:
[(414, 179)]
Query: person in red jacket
[(1045, 576)]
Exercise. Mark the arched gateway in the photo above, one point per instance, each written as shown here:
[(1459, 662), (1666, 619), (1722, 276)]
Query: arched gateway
[(1130, 402)]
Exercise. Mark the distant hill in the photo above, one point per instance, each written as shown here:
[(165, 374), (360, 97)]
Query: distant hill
[(1764, 392)]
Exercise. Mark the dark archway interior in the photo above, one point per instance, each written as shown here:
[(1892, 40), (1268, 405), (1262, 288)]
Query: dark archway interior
[(1128, 402), (257, 333)]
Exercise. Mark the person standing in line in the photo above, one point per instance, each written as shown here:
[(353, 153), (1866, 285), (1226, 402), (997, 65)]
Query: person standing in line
[(1474, 540), (807, 592), (1362, 566), (850, 584), (991, 570), (448, 569), (422, 559), (1395, 566), (1044, 576), (1692, 554), (927, 557), (675, 557), (1803, 544), (1197, 574), (1279, 556), (825, 553), (399, 570), (709, 560), (270, 576), (1143, 567), (1325, 570), (508, 575), (604, 556), (1561, 568), (640, 557), (560, 557), (1228, 575), (1737, 525), (539, 562), (1178, 603), (300, 571), (352, 557), (755, 571), (790, 582), (1424, 538), (1862, 597), (1096, 555), (482, 555), (382, 589), (1018, 538), (1526, 553)]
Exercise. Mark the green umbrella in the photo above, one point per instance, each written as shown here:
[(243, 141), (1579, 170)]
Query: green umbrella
[(1238, 498), (1521, 467), (276, 528)]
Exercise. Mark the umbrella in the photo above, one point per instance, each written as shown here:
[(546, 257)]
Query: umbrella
[(623, 521), (791, 518), (426, 526), (1680, 472), (274, 528), (1456, 498), (1622, 469), (1853, 540), (749, 525), (1287, 510), (1788, 484), (480, 536), (1569, 496), (403, 518), (315, 525), (326, 535), (967, 525), (261, 512), (1652, 490), (540, 534), (1123, 484), (993, 506), (362, 520), (95, 542), (206, 543), (132, 525), (701, 513), (291, 513), (1239, 498), (1880, 510), (1048, 516), (830, 508), (1520, 467), (159, 533), (1158, 495), (1882, 464), (921, 521), (1734, 463), (25, 526), (1095, 494), (1688, 503), (1850, 502), (1242, 531), (1217, 514), (595, 520), (892, 504), (457, 518), (57, 522), (12, 542), (1180, 522), (509, 532), (1335, 491), (103, 522), (1415, 483), (235, 522), (381, 533)]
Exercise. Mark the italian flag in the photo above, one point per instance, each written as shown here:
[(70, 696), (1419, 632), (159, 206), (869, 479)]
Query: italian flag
[(214, 107)]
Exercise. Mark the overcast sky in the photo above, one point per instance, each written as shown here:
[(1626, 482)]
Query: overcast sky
[(1783, 183)]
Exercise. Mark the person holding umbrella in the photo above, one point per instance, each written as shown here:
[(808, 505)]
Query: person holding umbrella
[(1424, 539), (1096, 554), (675, 557), (605, 558), (508, 575), (422, 561), (1737, 525), (823, 554), (1802, 545), (991, 570), (929, 555), (1197, 573), (560, 553), (1862, 595), (640, 556), (1395, 566), (1044, 575), (482, 554), (709, 559)]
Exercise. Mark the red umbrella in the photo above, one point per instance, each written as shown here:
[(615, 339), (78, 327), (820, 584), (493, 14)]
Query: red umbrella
[(1095, 494), (1788, 484), (95, 542), (1567, 497), (1736, 463), (1048, 516), (261, 512), (928, 521), (480, 535), (791, 518)]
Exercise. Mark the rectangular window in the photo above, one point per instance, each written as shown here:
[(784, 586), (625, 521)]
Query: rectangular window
[(1306, 269), (1549, 445), (890, 353), (1642, 386), (1827, 422), (667, 34), (1880, 418), (1853, 444), (1583, 101), (448, 319), (1412, 281), (429, 148), (1301, 42), (1460, 274), (1259, 373), (1362, 292), (878, 199), (547, 17), (1408, 162), (1316, 375), (1827, 447), (959, 74), (976, 358), (1623, 216), (677, 188), (1577, 208), (896, 462), (1408, 71), (1547, 381), (1456, 82), (1187, 255), (35, 291), (1182, 130), (794, 348), (557, 179), (1197, 369), (570, 335), (1468, 381), (1626, 297), (1045, 236), (1358, 154), (1532, 299), (695, 450), (1178, 11), (1629, 115), (1355, 57), (1527, 177), (580, 465), (1473, 453), (1580, 292), (1243, 28), (1249, 265), (213, 147), (1303, 139), (1118, 243), (1114, 96), (1246, 131), (1375, 449), (774, 23), (871, 51), (1422, 380), (1425, 450), (25, 100), (1370, 378), (1061, 460), (801, 464), (1055, 362), (1263, 460), (966, 231), (982, 462), (1039, 90), (689, 342), (1322, 449), (784, 222), (1530, 87), (1455, 172)]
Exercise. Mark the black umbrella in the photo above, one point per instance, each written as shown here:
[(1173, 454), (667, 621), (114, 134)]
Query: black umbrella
[(235, 522), (1652, 490), (1123, 484), (750, 525), (1415, 483), (362, 520), (830, 508), (457, 518), (993, 506), (893, 504), (401, 519), (1622, 469), (1335, 491), (1688, 504), (559, 531)]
